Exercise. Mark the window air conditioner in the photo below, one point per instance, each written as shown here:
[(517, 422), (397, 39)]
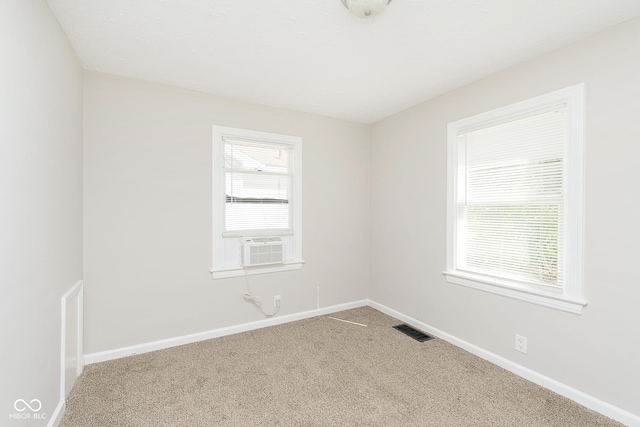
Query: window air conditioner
[(261, 251)]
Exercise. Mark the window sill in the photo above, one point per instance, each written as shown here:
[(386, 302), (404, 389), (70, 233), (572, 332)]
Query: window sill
[(223, 273), (557, 301)]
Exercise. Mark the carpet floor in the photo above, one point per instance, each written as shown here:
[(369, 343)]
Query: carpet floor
[(316, 372)]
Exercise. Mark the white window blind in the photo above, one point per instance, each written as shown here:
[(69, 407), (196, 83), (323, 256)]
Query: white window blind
[(510, 199), (258, 179)]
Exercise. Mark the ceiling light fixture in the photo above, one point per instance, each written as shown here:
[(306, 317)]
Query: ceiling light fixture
[(365, 8)]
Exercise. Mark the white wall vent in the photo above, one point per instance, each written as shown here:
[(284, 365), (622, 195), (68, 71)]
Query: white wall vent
[(261, 251)]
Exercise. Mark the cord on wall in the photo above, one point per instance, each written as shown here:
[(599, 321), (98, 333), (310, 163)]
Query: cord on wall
[(249, 297)]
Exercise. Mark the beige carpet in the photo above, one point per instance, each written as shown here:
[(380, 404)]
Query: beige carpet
[(316, 372)]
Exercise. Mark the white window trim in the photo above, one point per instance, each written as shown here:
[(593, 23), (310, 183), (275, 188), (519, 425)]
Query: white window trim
[(219, 270), (224, 273), (571, 300)]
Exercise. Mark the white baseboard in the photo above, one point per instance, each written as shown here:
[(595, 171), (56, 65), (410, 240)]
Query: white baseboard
[(578, 396), (215, 333), (57, 414)]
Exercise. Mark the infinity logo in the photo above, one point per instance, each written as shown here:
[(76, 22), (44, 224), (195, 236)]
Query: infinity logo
[(21, 405)]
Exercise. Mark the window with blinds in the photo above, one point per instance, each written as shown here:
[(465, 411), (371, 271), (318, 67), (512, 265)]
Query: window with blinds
[(258, 186), (515, 200), (256, 194), (510, 206)]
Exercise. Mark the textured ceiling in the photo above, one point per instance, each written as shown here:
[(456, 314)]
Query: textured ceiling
[(313, 56)]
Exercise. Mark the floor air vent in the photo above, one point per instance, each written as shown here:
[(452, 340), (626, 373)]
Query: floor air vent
[(413, 333)]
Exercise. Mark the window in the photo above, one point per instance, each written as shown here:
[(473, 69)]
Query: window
[(515, 201), (256, 194)]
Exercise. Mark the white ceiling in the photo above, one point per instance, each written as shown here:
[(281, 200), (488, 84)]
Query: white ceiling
[(313, 56)]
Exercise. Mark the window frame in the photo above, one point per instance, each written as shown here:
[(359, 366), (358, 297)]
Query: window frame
[(571, 298), (290, 174), (224, 266)]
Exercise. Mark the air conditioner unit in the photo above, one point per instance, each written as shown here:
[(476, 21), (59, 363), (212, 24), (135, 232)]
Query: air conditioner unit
[(261, 251)]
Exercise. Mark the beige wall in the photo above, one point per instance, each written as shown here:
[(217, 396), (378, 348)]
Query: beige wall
[(597, 352), (147, 200), (40, 200)]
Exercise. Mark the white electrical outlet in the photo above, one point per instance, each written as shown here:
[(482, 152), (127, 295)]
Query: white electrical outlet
[(521, 344), (276, 301)]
